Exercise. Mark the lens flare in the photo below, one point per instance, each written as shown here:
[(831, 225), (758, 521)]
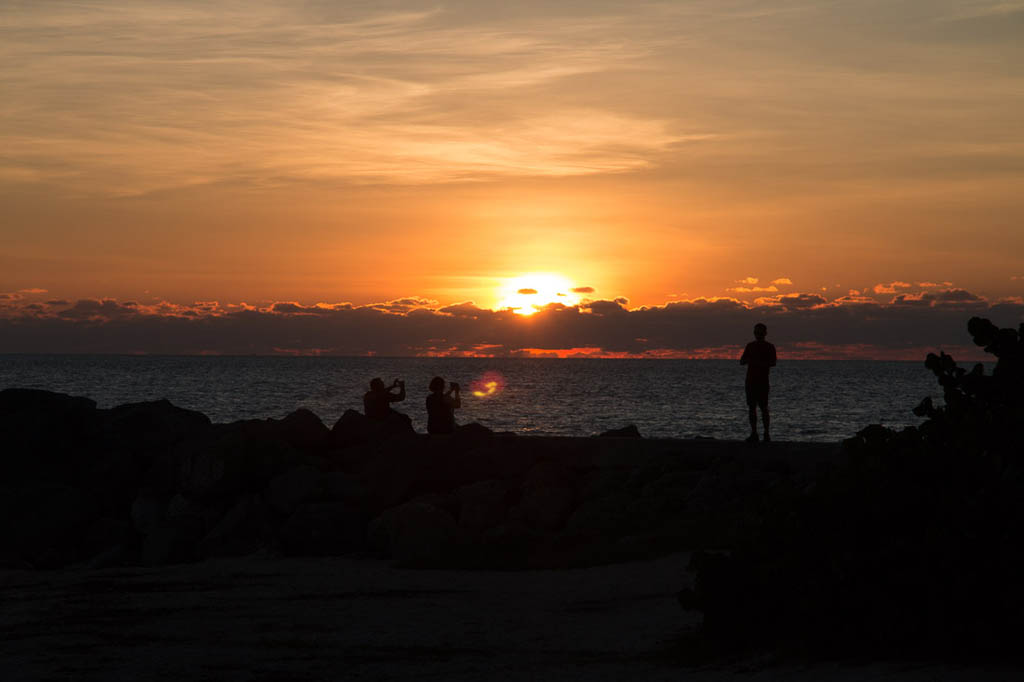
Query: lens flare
[(489, 385)]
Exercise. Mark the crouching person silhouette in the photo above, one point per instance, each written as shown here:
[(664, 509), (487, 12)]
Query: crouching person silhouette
[(759, 357), (377, 401), (441, 406)]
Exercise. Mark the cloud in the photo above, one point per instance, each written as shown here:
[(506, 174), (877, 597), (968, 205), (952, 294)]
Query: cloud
[(744, 290), (891, 287), (783, 281), (583, 290), (748, 281), (799, 323), (347, 92), (34, 290), (527, 292)]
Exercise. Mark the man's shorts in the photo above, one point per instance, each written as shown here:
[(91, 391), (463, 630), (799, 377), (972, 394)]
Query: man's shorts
[(757, 395)]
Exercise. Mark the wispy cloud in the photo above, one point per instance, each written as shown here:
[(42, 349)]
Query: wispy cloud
[(135, 97)]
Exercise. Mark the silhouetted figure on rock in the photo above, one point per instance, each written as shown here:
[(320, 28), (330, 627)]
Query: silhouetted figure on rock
[(377, 401), (441, 406), (759, 357)]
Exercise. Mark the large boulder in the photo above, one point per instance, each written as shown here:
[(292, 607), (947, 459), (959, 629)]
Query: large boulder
[(147, 511), (629, 431), (417, 533), (152, 427), (606, 517), (394, 475), (46, 523), (242, 457), (243, 530), (341, 486), (548, 496), (114, 477), (303, 430), (355, 428), (483, 504), (46, 436), (323, 529), (173, 541), (107, 536), (295, 486)]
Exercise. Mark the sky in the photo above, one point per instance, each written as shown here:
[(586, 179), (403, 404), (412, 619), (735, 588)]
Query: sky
[(596, 178)]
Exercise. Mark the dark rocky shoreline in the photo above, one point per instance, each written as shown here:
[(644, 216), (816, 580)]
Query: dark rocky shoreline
[(152, 484)]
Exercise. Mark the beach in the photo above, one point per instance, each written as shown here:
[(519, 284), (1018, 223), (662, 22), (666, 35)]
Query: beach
[(265, 618)]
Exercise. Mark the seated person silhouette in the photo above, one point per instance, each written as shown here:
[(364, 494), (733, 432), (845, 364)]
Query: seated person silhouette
[(441, 406), (759, 357), (377, 401)]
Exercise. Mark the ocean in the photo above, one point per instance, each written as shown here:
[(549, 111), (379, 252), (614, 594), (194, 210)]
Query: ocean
[(810, 400)]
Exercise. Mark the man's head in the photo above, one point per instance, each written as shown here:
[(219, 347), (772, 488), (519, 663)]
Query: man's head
[(760, 331), (436, 385), (376, 384)]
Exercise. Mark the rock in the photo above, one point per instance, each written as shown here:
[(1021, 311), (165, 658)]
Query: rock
[(668, 493), (243, 530), (303, 430), (295, 486), (344, 487), (393, 477), (104, 535), (323, 529), (240, 458), (174, 541), (605, 517), (205, 515), (113, 558), (422, 535), (114, 478), (152, 427), (47, 523), (472, 433), (483, 504), (547, 496), (625, 432), (46, 436), (22, 400), (147, 511), (354, 428), (507, 546)]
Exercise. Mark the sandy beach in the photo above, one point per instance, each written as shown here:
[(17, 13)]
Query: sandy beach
[(262, 618)]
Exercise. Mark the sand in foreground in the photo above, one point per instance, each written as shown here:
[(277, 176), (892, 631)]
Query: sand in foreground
[(266, 618)]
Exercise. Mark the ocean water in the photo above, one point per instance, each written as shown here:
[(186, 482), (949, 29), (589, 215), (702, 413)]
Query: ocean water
[(810, 400)]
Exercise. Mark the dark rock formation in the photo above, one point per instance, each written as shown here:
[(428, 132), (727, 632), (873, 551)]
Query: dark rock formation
[(629, 431), (152, 483)]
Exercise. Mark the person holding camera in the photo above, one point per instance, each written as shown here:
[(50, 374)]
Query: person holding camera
[(377, 401), (441, 406)]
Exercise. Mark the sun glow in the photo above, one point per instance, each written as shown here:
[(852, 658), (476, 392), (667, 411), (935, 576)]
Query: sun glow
[(528, 293), (490, 384)]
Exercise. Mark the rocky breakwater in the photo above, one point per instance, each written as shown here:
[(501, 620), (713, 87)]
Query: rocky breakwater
[(151, 483)]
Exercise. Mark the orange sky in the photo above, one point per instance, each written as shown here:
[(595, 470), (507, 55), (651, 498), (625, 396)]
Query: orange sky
[(359, 152)]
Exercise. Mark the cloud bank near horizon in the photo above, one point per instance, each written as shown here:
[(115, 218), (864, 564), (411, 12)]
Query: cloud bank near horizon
[(803, 325)]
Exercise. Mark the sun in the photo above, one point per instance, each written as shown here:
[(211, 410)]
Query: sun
[(528, 293)]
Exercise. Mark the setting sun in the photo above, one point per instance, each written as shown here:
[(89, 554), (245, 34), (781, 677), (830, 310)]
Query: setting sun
[(529, 293)]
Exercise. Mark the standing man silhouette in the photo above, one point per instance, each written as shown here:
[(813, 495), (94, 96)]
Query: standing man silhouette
[(759, 357)]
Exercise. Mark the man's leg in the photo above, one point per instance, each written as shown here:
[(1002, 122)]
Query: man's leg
[(752, 415), (766, 418)]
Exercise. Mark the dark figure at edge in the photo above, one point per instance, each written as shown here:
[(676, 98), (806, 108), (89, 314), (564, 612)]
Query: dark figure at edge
[(759, 357), (441, 406), (377, 401)]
